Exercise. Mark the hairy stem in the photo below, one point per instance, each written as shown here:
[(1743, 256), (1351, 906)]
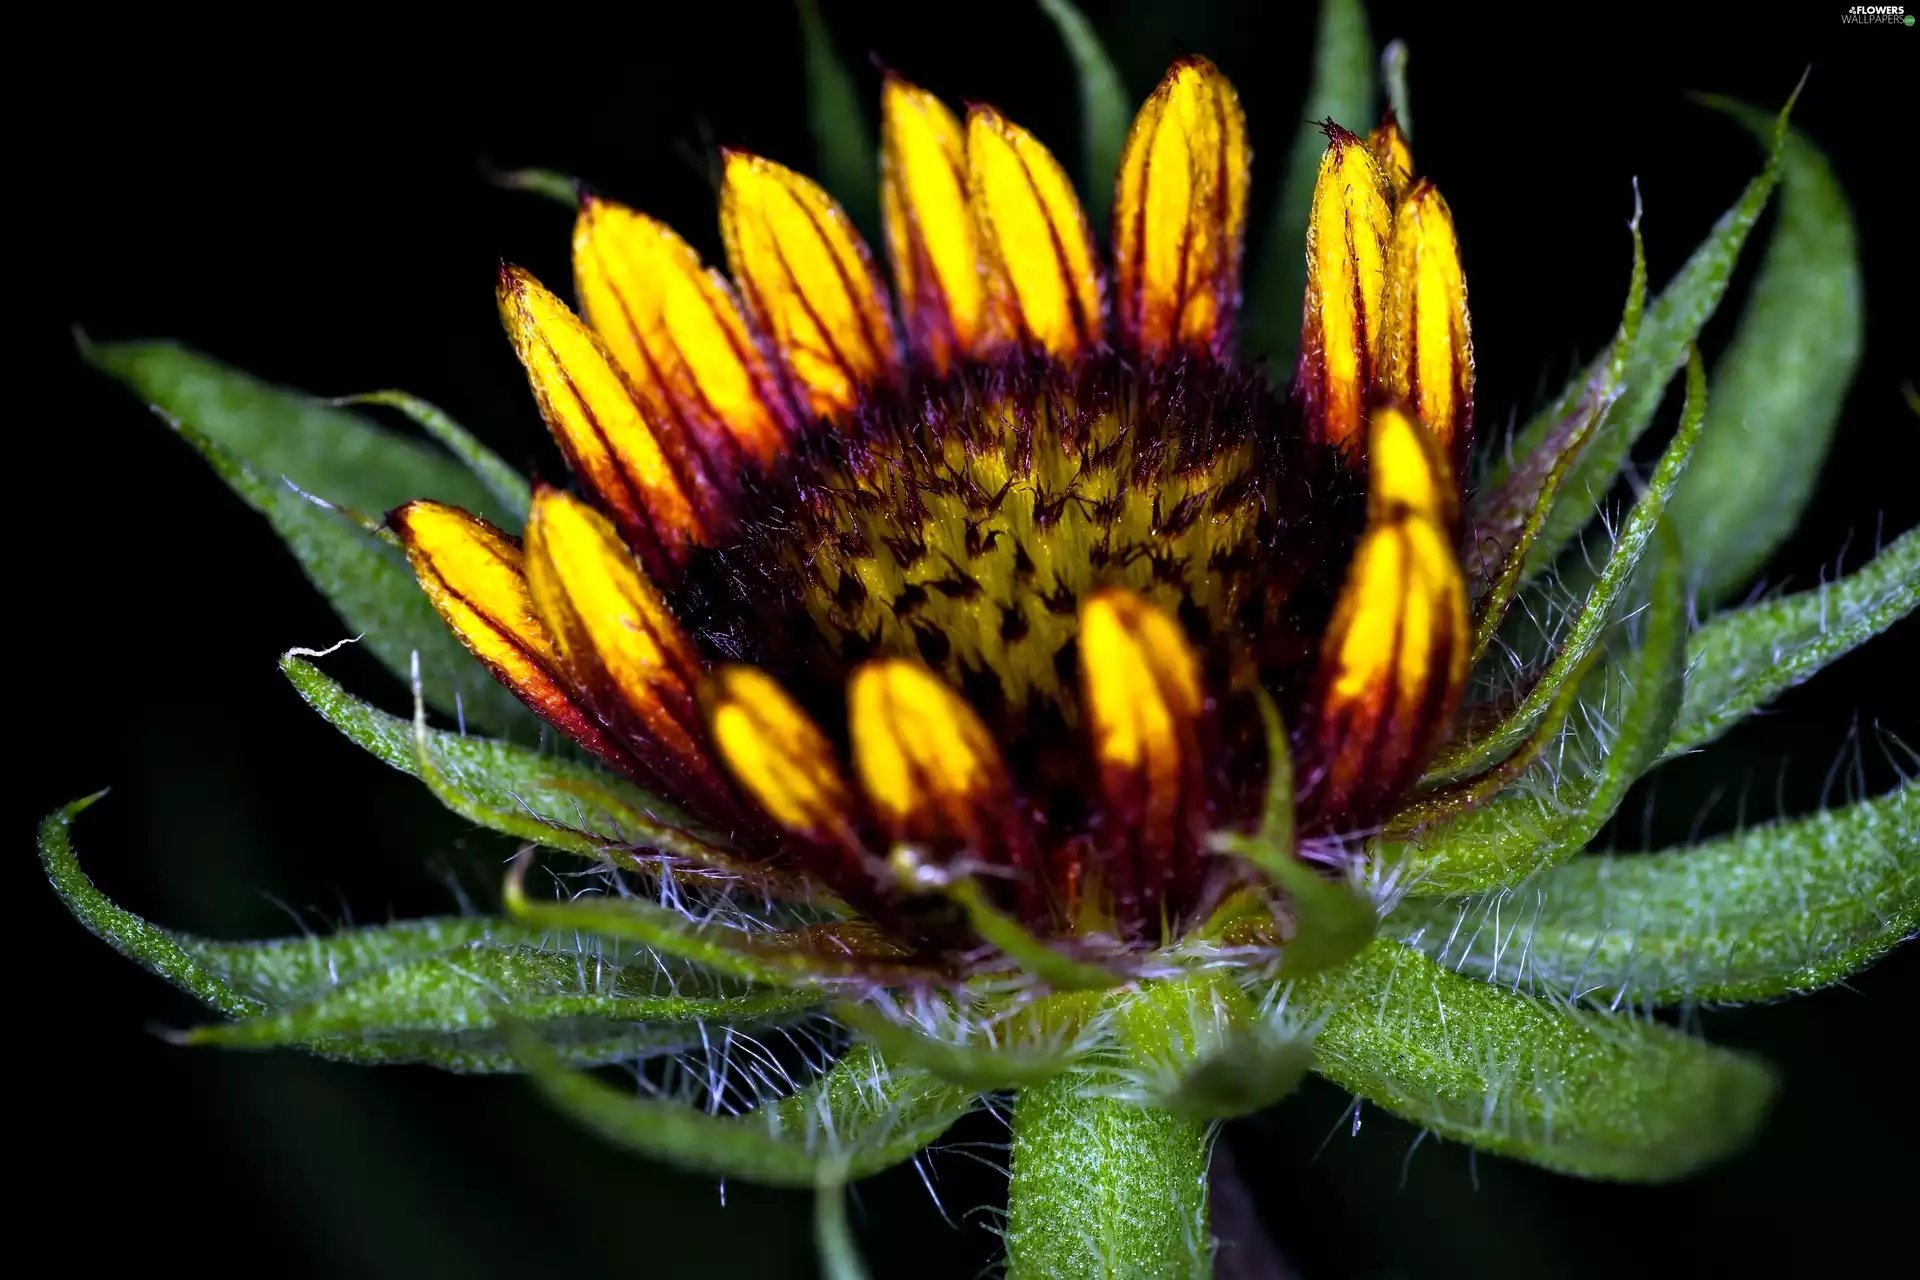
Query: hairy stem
[(1103, 1188)]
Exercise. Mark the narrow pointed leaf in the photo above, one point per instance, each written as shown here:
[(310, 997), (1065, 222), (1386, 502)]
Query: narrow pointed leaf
[(508, 487), (279, 451), (1025, 1048), (1198, 1048), (1393, 76), (1600, 608), (1779, 909), (1580, 1092), (561, 188), (1673, 323), (1778, 388), (1103, 108), (1343, 91), (863, 1116), (1746, 657), (832, 1237), (841, 136), (1564, 800)]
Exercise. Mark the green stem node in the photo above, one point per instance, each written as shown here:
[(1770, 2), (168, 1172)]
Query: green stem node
[(1102, 1188)]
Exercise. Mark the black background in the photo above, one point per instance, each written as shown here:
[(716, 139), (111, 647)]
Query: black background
[(299, 192)]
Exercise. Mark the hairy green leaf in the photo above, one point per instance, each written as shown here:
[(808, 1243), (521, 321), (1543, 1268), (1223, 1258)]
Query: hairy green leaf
[(1778, 388), (1564, 799), (1197, 1047), (509, 488), (973, 1047), (840, 133), (1782, 908), (1342, 91), (1673, 323), (295, 460), (1600, 607), (863, 1116), (1103, 108), (1578, 1091), (1746, 657), (832, 1237)]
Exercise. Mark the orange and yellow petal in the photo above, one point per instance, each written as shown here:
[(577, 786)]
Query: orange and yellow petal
[(620, 642), (1142, 695), (1426, 342), (1348, 232), (932, 242), (777, 754), (1043, 279), (677, 333), (646, 480), (1394, 658), (475, 577), (930, 770), (1180, 214), (809, 283), (1392, 153)]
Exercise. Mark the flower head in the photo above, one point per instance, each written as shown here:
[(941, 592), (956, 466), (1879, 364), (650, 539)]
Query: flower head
[(998, 600)]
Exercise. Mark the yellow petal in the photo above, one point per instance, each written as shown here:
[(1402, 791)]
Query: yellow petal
[(473, 574), (1180, 213), (1394, 661), (676, 332), (1405, 469), (931, 771), (1141, 687), (931, 239), (617, 636), (1392, 153), (777, 754), (1347, 235), (808, 281), (644, 479), (1043, 281), (1426, 343)]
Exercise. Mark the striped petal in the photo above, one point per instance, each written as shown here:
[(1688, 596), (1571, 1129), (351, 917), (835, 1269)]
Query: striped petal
[(931, 239), (1394, 658), (474, 575), (1043, 280), (1180, 215), (620, 642), (809, 283), (676, 332), (1347, 237), (931, 772), (778, 755), (652, 485), (1143, 700), (1392, 153), (1426, 341)]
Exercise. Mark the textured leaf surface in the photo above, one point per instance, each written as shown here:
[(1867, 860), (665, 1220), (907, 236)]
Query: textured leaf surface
[(1343, 91), (1562, 801), (1746, 657), (863, 1116), (1103, 108), (1581, 1092), (261, 440), (1778, 388), (512, 495), (1781, 908), (1197, 1047)]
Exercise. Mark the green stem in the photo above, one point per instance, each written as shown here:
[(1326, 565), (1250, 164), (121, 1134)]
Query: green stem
[(1103, 1188)]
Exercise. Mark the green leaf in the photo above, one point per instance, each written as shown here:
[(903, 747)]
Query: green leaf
[(1577, 1091), (561, 188), (1672, 325), (1103, 108), (832, 1238), (1746, 657), (1037, 956), (508, 486), (512, 789), (1198, 1048), (279, 451), (1779, 909), (863, 1116), (1393, 74), (1777, 389), (840, 134), (1566, 797), (1597, 612), (429, 991), (1342, 90), (972, 1046)]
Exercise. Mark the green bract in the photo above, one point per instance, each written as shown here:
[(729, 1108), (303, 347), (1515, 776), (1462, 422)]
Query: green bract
[(1477, 971)]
